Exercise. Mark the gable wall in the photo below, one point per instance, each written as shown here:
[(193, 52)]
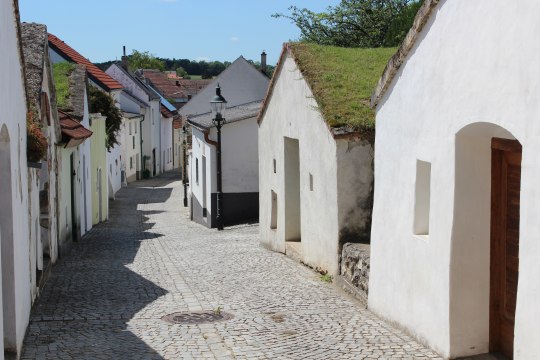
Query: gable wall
[(476, 61), (292, 113)]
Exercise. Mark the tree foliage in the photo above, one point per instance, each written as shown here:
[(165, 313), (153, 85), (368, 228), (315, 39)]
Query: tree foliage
[(144, 60), (101, 102), (180, 71), (356, 23)]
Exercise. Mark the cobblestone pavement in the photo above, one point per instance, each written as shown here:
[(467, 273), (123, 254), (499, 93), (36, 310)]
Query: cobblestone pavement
[(105, 300)]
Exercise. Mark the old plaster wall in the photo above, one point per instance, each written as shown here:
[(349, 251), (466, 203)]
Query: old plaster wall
[(166, 144), (467, 79), (98, 179), (14, 220), (292, 112), (355, 189)]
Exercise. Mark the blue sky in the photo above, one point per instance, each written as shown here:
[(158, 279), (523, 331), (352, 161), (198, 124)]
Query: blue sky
[(187, 29)]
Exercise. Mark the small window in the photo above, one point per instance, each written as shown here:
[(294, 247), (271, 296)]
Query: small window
[(133, 142), (273, 219), (310, 182), (131, 162), (422, 198), (275, 167), (135, 126), (129, 128)]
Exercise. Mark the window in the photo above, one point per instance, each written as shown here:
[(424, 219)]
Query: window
[(274, 166), (131, 162), (310, 182), (134, 142), (130, 128), (273, 218), (135, 126), (422, 198)]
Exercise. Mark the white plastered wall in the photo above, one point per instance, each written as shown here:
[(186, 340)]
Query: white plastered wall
[(475, 63), (292, 112), (13, 135)]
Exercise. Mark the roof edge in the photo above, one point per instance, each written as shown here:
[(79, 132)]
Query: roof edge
[(270, 90), (398, 59)]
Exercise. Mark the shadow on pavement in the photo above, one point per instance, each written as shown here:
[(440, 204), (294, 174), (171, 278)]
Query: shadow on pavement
[(91, 295)]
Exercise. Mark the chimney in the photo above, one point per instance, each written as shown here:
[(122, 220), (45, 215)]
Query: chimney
[(263, 62), (124, 60)]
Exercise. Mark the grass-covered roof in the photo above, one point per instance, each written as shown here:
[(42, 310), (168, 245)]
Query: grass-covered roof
[(62, 72), (342, 81)]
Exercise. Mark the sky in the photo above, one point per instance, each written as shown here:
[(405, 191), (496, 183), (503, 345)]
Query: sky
[(183, 29)]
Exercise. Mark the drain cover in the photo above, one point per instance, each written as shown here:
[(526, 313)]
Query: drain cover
[(196, 317)]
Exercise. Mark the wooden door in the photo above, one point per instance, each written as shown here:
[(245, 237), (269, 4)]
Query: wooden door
[(505, 192)]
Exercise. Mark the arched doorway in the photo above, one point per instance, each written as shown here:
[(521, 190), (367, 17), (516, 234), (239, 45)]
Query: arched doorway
[(7, 246), (485, 240)]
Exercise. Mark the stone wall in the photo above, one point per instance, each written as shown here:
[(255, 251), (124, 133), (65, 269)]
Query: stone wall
[(354, 278)]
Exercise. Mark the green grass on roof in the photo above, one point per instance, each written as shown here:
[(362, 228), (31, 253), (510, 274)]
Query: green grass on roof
[(61, 73), (342, 81)]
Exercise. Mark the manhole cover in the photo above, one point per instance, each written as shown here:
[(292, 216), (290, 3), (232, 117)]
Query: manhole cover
[(196, 317)]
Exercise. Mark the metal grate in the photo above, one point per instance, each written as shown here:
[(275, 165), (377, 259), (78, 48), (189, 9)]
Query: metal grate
[(197, 317)]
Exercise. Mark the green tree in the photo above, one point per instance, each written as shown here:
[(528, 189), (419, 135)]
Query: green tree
[(144, 60), (180, 71), (101, 102), (356, 23)]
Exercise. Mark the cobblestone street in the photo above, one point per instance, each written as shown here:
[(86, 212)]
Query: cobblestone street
[(105, 300)]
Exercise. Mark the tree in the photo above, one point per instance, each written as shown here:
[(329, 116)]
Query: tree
[(356, 23), (101, 102), (144, 60), (180, 71)]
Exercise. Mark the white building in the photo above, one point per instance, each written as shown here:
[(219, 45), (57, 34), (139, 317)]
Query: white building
[(149, 103), (316, 174), (455, 221), (14, 232), (131, 146), (240, 173), (43, 192), (244, 88)]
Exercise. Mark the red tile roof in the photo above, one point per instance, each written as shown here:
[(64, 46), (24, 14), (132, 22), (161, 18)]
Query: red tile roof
[(163, 84), (166, 112), (95, 73), (72, 128)]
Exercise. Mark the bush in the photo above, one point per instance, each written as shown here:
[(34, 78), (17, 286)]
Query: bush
[(36, 142)]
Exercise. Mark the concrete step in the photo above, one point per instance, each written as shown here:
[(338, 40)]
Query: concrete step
[(293, 249)]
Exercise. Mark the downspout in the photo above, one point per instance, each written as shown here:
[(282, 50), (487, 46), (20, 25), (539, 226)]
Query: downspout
[(206, 132)]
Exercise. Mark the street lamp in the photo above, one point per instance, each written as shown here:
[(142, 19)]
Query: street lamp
[(218, 104), (184, 165)]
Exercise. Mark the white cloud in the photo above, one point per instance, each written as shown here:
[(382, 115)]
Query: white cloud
[(235, 38)]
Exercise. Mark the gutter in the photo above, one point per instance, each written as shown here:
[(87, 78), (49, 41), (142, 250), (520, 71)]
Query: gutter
[(206, 133)]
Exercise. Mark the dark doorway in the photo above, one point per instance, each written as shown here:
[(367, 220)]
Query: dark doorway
[(504, 268)]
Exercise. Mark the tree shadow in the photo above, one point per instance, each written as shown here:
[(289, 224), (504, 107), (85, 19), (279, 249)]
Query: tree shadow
[(93, 292)]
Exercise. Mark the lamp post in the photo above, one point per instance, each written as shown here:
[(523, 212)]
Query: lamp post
[(184, 165), (218, 104)]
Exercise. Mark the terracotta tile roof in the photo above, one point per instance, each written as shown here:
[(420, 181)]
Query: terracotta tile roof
[(72, 129), (192, 87), (166, 112), (163, 84), (95, 73)]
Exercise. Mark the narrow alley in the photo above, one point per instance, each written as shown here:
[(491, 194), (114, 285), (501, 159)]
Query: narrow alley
[(107, 298)]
